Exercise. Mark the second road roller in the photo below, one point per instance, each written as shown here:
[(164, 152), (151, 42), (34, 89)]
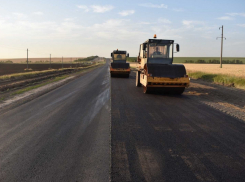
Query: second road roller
[(119, 67)]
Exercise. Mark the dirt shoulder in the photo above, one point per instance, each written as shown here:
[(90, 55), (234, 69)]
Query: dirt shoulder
[(226, 99)]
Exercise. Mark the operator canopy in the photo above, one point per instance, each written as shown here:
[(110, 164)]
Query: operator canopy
[(160, 48), (119, 56)]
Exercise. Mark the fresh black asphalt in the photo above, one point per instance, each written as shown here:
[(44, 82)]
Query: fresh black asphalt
[(172, 138)]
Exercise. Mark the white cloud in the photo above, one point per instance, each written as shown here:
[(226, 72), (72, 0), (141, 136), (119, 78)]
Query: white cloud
[(241, 25), (37, 25), (163, 20), (19, 15), (150, 5), (96, 8), (110, 23), (70, 29), (101, 9), (68, 19), (126, 12), (112, 28), (144, 23), (83, 7), (167, 32), (236, 14), (225, 18), (185, 22), (178, 9), (158, 22), (38, 13), (190, 28), (198, 27), (191, 22)]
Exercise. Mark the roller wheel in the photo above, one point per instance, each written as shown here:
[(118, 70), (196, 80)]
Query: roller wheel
[(147, 90), (179, 90), (138, 84)]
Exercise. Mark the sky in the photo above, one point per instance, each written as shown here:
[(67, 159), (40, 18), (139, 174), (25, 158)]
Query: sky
[(77, 28)]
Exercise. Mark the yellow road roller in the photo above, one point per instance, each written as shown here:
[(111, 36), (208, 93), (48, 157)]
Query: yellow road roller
[(119, 67), (156, 71)]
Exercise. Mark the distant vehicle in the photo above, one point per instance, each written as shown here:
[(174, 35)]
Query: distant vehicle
[(119, 67), (156, 71)]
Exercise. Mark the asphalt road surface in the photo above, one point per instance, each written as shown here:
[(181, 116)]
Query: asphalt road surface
[(63, 135), (97, 128), (172, 138)]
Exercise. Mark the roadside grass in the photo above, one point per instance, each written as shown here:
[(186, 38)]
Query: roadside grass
[(131, 59), (29, 74), (39, 85), (223, 79), (90, 58)]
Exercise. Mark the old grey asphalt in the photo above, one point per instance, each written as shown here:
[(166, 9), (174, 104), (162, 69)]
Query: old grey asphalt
[(63, 135)]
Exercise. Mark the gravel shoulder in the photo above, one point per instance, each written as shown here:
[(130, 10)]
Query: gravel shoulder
[(226, 99)]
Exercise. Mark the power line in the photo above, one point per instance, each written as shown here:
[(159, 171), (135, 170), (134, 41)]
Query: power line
[(50, 62), (27, 59), (222, 37)]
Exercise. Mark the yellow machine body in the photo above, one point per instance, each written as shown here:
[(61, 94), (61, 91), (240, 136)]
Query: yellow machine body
[(120, 71), (149, 81)]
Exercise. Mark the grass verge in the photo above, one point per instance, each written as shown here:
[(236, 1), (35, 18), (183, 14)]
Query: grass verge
[(29, 74), (40, 85), (223, 79)]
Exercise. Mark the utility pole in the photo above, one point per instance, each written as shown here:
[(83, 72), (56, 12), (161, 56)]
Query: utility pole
[(50, 62), (62, 62), (27, 59), (222, 37)]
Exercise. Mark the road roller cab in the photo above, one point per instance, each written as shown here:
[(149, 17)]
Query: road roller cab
[(156, 70), (119, 67)]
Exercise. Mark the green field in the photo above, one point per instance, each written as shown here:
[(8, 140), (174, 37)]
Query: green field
[(198, 59), (132, 59)]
